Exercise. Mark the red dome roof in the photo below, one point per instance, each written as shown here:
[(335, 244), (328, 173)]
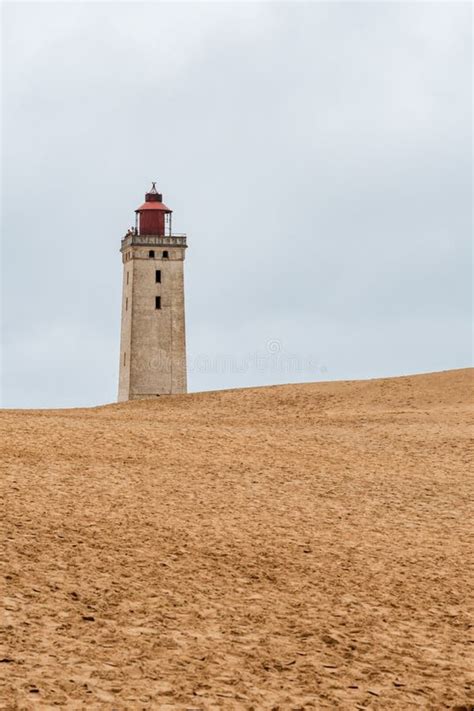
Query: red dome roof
[(153, 206)]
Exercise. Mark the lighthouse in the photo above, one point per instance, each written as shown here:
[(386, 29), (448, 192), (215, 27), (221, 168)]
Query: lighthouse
[(153, 341)]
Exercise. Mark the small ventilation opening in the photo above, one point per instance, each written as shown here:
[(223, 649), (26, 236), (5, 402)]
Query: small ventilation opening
[(157, 302), (151, 254), (166, 254)]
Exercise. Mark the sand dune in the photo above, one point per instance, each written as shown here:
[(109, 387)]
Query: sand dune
[(294, 547)]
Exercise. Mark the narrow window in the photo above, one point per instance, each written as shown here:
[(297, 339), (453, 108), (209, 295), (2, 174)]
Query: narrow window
[(125, 359), (151, 254), (166, 254), (126, 303), (158, 276), (157, 302), (128, 274)]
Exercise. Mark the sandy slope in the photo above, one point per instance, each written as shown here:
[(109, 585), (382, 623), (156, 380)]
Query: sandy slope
[(296, 547)]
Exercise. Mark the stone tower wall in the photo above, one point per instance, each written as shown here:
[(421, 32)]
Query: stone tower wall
[(153, 345)]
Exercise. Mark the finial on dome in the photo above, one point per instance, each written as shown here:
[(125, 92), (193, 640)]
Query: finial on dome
[(153, 195)]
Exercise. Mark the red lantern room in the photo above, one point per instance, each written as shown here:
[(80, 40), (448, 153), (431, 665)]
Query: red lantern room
[(153, 217)]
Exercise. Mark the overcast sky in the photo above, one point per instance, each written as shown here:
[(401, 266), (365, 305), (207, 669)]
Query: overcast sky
[(318, 156)]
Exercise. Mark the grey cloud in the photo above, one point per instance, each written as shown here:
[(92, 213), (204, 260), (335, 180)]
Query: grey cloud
[(318, 155)]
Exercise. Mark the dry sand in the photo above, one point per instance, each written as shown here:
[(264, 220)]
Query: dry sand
[(295, 547)]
